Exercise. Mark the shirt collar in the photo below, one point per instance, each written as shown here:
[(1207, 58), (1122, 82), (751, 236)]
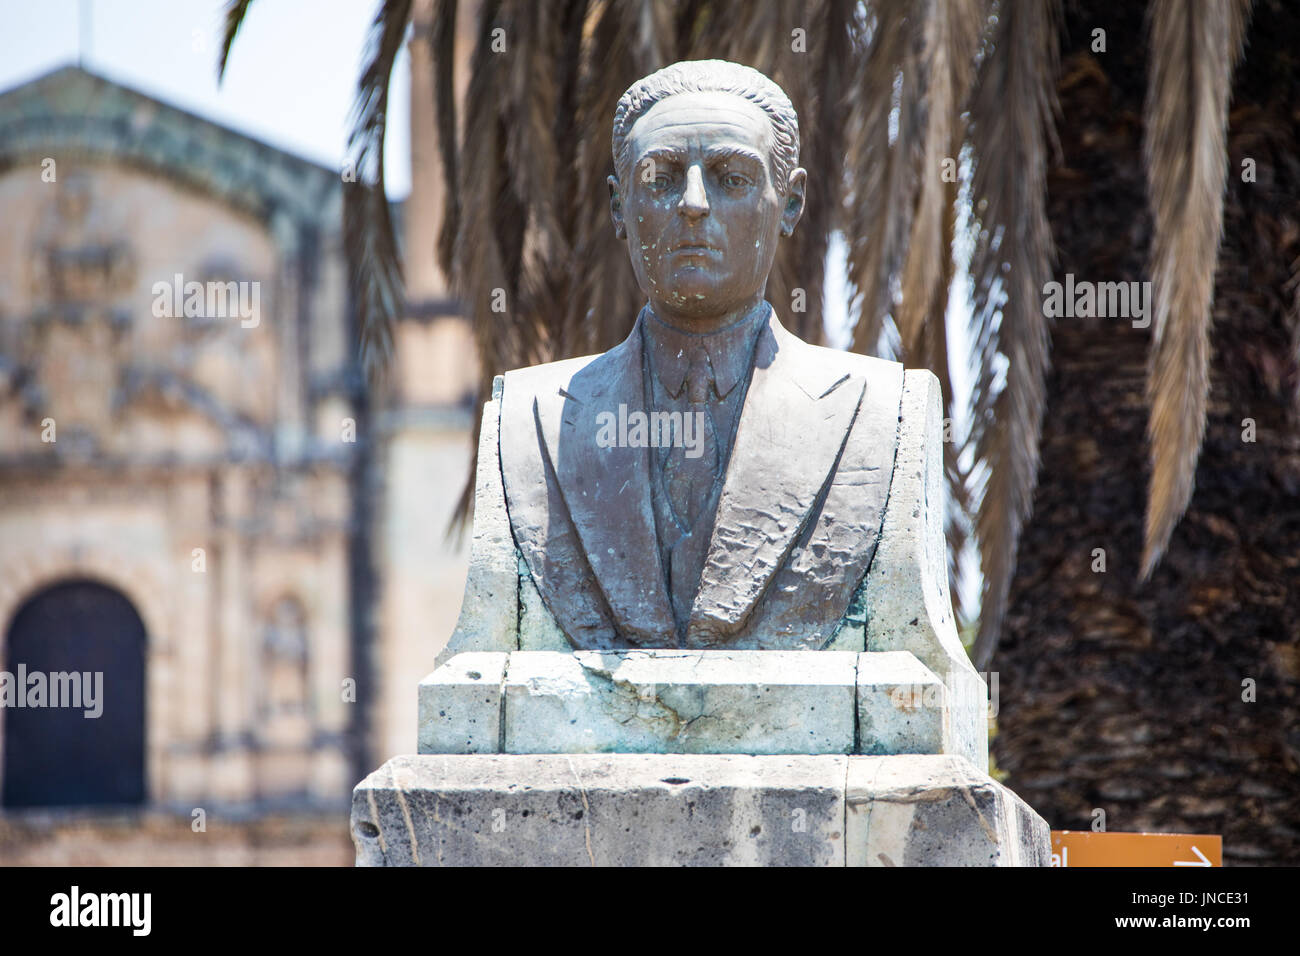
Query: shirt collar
[(729, 350)]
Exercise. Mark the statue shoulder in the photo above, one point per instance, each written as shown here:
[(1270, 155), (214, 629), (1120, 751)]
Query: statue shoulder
[(843, 362), (857, 364), (545, 378)]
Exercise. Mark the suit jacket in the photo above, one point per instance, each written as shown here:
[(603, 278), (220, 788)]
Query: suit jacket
[(796, 525)]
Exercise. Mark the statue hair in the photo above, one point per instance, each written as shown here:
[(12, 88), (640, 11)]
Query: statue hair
[(710, 76)]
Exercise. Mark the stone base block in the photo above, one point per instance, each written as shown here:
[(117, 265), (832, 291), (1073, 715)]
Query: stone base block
[(460, 705), (712, 702), (674, 701), (937, 811), (690, 810)]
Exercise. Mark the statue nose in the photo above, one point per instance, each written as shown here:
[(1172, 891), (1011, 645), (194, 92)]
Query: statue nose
[(694, 203)]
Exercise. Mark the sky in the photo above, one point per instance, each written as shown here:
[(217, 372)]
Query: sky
[(290, 80)]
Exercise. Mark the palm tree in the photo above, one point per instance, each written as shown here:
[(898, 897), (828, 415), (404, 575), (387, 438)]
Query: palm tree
[(895, 96), (1171, 703)]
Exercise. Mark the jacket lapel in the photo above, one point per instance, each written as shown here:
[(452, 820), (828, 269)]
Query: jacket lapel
[(607, 489), (794, 423)]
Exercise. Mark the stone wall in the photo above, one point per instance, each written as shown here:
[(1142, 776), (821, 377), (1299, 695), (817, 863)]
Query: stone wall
[(156, 839)]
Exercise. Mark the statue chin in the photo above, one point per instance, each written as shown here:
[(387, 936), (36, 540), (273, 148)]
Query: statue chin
[(696, 300)]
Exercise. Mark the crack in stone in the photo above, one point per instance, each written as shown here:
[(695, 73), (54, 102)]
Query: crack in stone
[(639, 705), (586, 811)]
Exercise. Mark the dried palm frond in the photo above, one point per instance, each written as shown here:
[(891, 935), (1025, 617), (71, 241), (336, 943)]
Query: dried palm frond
[(370, 246), (819, 83), (563, 296), (602, 280), (369, 241), (236, 10), (484, 273), (656, 31), (951, 38), (886, 90), (932, 350), (1194, 45), (1293, 314), (477, 262), (532, 159), (1012, 125), (442, 43)]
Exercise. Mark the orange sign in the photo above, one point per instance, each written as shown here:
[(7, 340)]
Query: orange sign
[(1085, 848)]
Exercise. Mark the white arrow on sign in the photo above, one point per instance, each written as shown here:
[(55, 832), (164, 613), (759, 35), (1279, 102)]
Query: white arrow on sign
[(1203, 861)]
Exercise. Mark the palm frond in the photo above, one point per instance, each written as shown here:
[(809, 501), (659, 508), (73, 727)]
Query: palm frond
[(564, 290), (371, 247), (604, 287), (1194, 45), (951, 37), (885, 91), (236, 10), (442, 42), (815, 79), (1293, 314), (819, 80), (1012, 127), (478, 261), (933, 352)]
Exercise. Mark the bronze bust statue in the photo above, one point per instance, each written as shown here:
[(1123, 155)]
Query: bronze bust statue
[(745, 509), (657, 528)]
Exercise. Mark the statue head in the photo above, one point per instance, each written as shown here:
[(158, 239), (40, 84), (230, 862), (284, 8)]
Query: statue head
[(706, 180)]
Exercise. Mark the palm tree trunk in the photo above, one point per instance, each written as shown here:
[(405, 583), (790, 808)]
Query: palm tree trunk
[(1172, 705)]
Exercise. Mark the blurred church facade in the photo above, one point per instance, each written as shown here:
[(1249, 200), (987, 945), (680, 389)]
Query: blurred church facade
[(199, 499)]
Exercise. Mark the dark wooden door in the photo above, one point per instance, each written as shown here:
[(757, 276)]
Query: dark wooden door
[(57, 755)]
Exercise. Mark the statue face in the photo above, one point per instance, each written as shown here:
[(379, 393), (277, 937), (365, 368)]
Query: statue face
[(701, 212)]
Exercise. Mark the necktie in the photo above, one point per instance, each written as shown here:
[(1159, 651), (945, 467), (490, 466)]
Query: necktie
[(689, 476)]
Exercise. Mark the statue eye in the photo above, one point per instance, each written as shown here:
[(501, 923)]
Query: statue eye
[(735, 181)]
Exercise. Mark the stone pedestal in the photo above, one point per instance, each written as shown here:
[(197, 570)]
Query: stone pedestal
[(668, 701), (690, 810), (807, 758)]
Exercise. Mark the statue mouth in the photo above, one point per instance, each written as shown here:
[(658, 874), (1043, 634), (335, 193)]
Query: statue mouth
[(692, 247)]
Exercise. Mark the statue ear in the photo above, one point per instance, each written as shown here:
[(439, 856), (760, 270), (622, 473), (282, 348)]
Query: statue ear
[(794, 201), (616, 208)]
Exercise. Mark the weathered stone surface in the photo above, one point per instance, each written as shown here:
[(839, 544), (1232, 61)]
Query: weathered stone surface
[(671, 701), (937, 810), (762, 702), (489, 613), (460, 705), (902, 706), (852, 633), (602, 810), (538, 629), (908, 605), (691, 809)]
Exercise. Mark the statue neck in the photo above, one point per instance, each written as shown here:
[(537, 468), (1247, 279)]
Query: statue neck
[(697, 325)]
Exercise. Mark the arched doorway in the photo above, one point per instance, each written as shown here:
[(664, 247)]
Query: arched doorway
[(83, 645)]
